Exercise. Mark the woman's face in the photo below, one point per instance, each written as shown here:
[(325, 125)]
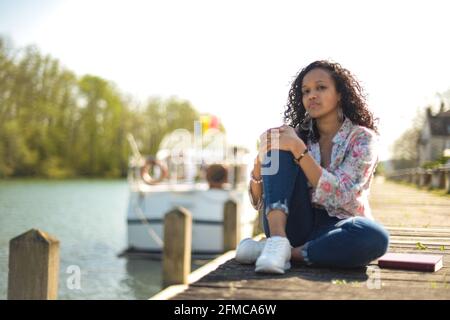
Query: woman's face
[(319, 95)]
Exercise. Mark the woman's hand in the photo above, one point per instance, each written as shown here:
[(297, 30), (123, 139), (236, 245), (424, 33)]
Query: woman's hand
[(281, 138)]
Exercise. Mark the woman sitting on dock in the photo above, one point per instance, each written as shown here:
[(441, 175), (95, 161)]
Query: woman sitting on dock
[(312, 178)]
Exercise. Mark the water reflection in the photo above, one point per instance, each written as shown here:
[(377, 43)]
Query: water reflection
[(144, 275)]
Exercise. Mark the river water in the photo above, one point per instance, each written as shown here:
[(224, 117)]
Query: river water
[(89, 219)]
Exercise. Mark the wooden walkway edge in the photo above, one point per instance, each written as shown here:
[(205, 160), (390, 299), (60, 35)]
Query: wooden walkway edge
[(196, 275), (173, 290)]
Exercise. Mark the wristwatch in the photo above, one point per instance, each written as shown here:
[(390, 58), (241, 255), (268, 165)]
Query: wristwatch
[(297, 161)]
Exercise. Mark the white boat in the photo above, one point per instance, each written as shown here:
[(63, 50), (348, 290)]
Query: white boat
[(148, 203)]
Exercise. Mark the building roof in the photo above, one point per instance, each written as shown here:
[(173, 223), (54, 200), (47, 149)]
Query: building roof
[(439, 123)]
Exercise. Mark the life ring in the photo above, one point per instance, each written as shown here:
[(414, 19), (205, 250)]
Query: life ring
[(148, 166)]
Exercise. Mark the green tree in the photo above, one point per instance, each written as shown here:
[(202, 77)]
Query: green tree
[(162, 117), (53, 124), (405, 152), (101, 129)]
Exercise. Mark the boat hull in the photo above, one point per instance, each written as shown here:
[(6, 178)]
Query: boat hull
[(148, 206)]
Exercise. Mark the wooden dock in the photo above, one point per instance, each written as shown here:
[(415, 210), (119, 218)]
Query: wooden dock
[(418, 222)]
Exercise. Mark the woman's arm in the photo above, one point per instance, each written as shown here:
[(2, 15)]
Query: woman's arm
[(342, 188), (312, 170), (255, 189), (288, 139)]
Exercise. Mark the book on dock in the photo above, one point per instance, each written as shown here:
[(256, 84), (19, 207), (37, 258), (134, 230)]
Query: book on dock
[(411, 261)]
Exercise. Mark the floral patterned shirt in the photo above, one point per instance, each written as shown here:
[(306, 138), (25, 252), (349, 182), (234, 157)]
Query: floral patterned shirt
[(343, 188)]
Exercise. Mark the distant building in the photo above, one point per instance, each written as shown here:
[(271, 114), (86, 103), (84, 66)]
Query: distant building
[(434, 140)]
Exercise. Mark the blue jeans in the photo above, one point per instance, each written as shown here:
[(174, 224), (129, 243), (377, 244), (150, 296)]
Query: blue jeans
[(328, 241)]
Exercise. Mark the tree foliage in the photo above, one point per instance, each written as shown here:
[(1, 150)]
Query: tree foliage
[(54, 124), (405, 152)]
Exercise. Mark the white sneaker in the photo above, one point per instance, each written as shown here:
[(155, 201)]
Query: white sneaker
[(275, 257), (249, 250)]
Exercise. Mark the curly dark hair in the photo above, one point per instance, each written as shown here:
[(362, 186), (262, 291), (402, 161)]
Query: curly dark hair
[(353, 99)]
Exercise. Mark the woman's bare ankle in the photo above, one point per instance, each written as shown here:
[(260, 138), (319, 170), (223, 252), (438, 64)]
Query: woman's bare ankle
[(296, 254), (277, 223), (280, 233)]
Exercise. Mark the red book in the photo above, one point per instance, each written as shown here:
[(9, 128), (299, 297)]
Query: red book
[(411, 261)]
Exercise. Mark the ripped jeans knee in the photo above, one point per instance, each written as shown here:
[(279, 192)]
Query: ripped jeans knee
[(278, 205), (278, 187)]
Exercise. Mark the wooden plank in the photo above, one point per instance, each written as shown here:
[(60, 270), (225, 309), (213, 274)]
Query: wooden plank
[(425, 230), (445, 236), (424, 241), (419, 233), (328, 291)]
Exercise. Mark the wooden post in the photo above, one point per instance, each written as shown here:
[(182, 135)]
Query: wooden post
[(438, 179), (428, 177), (417, 177), (434, 179), (33, 266), (411, 177), (422, 179), (231, 225), (177, 247), (447, 180), (234, 181), (441, 184)]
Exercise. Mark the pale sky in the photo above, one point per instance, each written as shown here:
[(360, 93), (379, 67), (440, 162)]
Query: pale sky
[(236, 59)]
